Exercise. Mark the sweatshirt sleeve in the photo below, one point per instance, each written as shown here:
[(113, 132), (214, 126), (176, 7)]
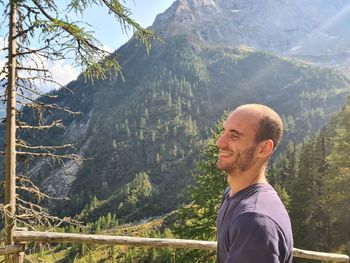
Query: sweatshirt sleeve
[(255, 238)]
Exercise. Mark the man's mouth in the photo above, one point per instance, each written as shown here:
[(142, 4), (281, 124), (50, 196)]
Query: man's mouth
[(225, 154)]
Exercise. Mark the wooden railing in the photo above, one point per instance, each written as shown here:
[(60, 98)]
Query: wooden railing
[(34, 236)]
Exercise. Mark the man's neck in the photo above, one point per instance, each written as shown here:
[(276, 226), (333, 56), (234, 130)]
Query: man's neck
[(239, 181)]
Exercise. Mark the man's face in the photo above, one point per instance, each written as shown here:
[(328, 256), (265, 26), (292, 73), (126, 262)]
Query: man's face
[(237, 143)]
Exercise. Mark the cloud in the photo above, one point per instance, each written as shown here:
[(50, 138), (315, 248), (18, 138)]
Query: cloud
[(63, 73), (107, 48)]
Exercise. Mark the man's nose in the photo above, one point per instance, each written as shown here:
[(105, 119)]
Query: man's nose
[(220, 142)]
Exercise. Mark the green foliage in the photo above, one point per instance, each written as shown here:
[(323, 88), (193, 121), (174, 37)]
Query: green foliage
[(173, 100), (197, 219), (42, 32), (282, 174), (315, 179), (157, 119), (134, 192), (283, 194), (87, 49), (338, 180), (79, 253)]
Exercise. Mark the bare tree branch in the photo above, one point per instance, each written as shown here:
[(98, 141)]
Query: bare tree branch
[(57, 157), (56, 123), (32, 69), (46, 148)]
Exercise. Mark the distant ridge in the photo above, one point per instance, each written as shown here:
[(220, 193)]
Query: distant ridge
[(315, 28)]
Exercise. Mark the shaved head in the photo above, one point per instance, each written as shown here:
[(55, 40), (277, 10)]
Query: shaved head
[(269, 125)]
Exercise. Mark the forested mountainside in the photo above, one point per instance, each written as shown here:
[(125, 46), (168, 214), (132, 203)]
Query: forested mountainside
[(316, 177), (147, 129)]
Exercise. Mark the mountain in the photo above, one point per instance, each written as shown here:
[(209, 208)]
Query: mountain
[(2, 111), (315, 29), (153, 123), (140, 137)]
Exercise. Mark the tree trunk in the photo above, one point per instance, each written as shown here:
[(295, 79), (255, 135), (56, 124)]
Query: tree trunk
[(10, 164)]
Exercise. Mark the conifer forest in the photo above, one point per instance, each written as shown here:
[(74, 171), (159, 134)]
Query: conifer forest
[(128, 148)]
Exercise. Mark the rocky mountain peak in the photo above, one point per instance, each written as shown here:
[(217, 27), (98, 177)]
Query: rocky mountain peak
[(284, 26), (191, 4)]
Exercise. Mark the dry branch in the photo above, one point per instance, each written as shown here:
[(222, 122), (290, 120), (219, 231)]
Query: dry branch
[(58, 157), (56, 123), (37, 104), (32, 89), (32, 51), (32, 69), (47, 148), (28, 186)]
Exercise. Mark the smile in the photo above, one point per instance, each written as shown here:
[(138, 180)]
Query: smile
[(225, 154)]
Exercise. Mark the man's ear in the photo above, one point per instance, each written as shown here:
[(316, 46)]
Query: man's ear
[(265, 149)]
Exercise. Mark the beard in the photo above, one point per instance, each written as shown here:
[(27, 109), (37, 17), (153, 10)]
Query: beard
[(240, 161)]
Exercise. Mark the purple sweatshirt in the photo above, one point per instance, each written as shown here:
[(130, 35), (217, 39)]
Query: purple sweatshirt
[(253, 226)]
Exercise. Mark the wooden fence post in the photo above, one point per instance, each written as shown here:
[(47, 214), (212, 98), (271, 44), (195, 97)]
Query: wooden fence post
[(22, 243)]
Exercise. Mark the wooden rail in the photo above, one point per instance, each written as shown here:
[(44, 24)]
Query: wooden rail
[(301, 253), (11, 249), (36, 236)]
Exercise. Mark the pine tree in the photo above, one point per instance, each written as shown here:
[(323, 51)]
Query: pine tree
[(108, 220), (57, 37), (282, 174), (308, 197), (338, 180), (197, 220)]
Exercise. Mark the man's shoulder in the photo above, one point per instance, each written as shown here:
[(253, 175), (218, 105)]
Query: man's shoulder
[(253, 221), (262, 232), (264, 201), (262, 227), (260, 199), (249, 216), (264, 209), (269, 204)]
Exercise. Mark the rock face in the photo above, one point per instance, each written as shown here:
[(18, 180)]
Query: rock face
[(300, 27), (59, 183)]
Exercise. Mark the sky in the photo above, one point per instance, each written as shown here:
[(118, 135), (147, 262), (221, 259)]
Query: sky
[(143, 11), (107, 30)]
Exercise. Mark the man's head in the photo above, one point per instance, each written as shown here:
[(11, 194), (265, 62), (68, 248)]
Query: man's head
[(251, 133)]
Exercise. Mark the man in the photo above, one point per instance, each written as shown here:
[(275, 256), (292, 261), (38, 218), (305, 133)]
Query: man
[(252, 226)]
